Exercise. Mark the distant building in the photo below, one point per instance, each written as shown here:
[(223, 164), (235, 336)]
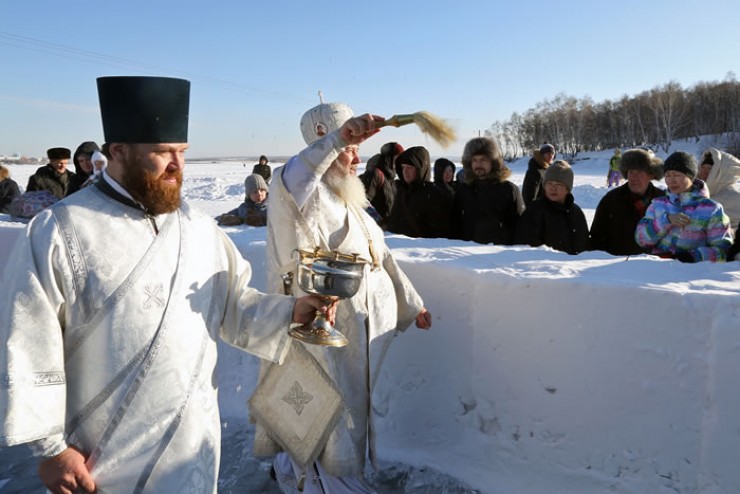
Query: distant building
[(12, 157)]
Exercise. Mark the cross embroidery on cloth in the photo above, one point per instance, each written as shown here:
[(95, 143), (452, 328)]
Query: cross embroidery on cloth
[(297, 398), (154, 296)]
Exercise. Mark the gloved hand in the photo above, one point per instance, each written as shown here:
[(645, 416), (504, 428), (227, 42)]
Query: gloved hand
[(229, 220), (684, 257)]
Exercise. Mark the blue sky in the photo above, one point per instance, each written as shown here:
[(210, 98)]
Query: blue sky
[(256, 67)]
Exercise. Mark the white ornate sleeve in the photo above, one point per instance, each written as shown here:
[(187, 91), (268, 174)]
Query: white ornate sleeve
[(303, 172)]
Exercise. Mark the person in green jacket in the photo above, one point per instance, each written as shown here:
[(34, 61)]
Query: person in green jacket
[(614, 176)]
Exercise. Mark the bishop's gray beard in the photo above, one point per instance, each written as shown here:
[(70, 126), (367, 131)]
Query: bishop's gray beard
[(348, 187)]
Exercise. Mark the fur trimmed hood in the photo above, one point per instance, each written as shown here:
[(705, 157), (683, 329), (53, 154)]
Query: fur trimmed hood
[(487, 147), (537, 160)]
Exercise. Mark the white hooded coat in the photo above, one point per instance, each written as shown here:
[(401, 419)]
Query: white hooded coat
[(723, 184)]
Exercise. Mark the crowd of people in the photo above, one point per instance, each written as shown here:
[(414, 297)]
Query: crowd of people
[(484, 206), (53, 181), (406, 195), (118, 292)]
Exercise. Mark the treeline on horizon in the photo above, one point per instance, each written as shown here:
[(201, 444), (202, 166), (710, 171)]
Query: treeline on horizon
[(651, 118)]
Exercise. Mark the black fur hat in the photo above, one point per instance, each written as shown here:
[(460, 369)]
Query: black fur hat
[(641, 159), (58, 153)]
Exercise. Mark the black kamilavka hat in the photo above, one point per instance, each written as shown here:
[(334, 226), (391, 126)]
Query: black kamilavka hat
[(146, 110)]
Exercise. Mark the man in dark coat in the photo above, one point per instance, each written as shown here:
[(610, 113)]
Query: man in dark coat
[(263, 169), (420, 209), (486, 205), (444, 176), (378, 179), (555, 219), (619, 211), (532, 187), (82, 160), (54, 176)]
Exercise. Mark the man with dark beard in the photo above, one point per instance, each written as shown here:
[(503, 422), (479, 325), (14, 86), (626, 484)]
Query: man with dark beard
[(487, 205), (112, 306), (317, 202)]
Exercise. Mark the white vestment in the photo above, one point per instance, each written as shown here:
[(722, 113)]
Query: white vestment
[(385, 302), (109, 320)]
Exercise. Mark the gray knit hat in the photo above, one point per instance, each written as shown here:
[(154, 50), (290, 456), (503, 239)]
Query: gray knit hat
[(641, 159), (683, 162), (254, 182), (560, 171)]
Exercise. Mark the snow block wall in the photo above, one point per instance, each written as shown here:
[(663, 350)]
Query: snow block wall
[(548, 373)]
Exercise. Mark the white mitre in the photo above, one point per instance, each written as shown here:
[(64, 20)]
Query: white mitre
[(322, 119)]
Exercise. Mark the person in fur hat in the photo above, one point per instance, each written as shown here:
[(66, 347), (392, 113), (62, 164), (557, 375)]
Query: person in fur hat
[(685, 224), (420, 209), (619, 211), (555, 219), (253, 211), (378, 179), (82, 159), (487, 205), (534, 178), (721, 172), (53, 176)]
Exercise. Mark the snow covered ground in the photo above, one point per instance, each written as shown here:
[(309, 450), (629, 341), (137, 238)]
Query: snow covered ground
[(543, 372)]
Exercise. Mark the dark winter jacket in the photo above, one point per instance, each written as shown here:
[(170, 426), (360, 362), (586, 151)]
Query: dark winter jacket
[(560, 226), (8, 191), (733, 254), (420, 209), (439, 170), (81, 176), (248, 213), (264, 170), (616, 217), (534, 179), (378, 179), (47, 178), (486, 209)]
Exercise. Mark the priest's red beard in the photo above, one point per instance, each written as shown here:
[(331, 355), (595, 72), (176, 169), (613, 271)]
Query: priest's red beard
[(150, 189)]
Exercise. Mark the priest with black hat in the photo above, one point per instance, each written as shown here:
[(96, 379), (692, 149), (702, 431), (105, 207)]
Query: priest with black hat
[(111, 309), (54, 176)]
